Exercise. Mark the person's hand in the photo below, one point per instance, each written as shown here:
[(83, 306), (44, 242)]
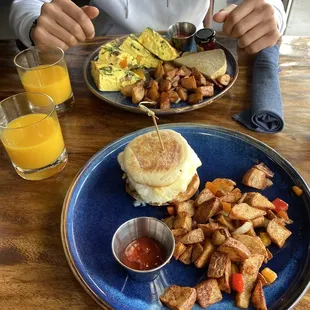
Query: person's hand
[(62, 23), (253, 23)]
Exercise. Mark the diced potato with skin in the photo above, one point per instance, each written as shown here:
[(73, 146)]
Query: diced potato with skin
[(179, 298), (236, 250), (224, 79), (200, 79), (270, 215), (152, 92), (172, 73), (197, 250), (277, 233), (169, 221), (226, 221), (164, 101), (255, 178), (265, 169), (243, 211), (185, 258), (254, 244), (194, 236), (262, 279), (258, 297), (175, 81), (257, 200), (173, 96), (207, 209), (217, 265), (203, 196), (259, 222), (209, 228), (179, 249), (189, 83), (208, 293), (127, 90), (242, 198), (137, 93), (268, 257), (183, 71), (224, 281), (225, 232), (182, 93), (164, 85), (218, 238), (226, 185), (159, 72), (168, 66), (183, 220), (203, 260), (194, 224), (232, 197), (269, 275), (206, 91), (185, 206), (179, 232), (249, 269), (195, 98)]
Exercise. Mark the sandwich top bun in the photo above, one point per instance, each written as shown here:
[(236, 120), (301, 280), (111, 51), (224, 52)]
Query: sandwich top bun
[(159, 175)]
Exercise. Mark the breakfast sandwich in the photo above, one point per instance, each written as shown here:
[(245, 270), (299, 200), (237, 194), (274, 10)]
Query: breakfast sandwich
[(159, 176), (157, 45), (144, 58)]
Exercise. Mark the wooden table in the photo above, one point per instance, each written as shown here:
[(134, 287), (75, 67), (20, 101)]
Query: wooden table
[(33, 270)]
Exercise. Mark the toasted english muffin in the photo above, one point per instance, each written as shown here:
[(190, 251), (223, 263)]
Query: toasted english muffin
[(157, 45), (211, 63)]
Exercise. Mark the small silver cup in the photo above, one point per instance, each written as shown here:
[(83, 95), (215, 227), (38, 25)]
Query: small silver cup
[(137, 228), (182, 35)]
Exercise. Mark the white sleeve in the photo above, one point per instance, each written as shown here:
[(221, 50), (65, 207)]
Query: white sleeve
[(22, 14), (278, 11)]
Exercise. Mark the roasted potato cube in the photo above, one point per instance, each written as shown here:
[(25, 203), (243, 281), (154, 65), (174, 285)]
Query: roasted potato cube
[(217, 265), (159, 72), (169, 221), (262, 279), (258, 297), (207, 209), (224, 79), (265, 169), (168, 66), (243, 211), (204, 258), (255, 178), (236, 250), (226, 185), (259, 222), (226, 221), (203, 196), (183, 220), (127, 90), (194, 224), (179, 232), (179, 249), (152, 92), (270, 215), (194, 236), (188, 83), (218, 238), (224, 281), (138, 93), (206, 91), (172, 73), (209, 228), (249, 269), (257, 200), (242, 198), (195, 98), (175, 81), (182, 93), (254, 244), (185, 206), (164, 101), (179, 298), (173, 96), (231, 197), (185, 258), (164, 85), (200, 79), (183, 71), (197, 250), (277, 233), (208, 293)]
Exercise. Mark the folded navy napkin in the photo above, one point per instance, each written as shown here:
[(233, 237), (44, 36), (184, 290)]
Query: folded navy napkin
[(266, 113)]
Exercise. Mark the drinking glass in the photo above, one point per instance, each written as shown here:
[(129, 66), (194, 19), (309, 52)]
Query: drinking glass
[(31, 134), (43, 69)]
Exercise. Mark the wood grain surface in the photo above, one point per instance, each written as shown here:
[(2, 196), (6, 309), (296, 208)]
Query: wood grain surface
[(33, 270)]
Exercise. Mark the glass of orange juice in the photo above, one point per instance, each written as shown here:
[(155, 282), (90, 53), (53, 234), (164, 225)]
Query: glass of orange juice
[(43, 69), (31, 134)]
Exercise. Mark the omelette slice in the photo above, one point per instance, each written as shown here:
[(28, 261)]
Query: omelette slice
[(157, 45), (132, 46), (110, 78), (110, 54)]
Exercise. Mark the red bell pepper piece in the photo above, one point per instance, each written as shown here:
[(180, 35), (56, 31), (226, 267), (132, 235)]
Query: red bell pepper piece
[(237, 282), (280, 205)]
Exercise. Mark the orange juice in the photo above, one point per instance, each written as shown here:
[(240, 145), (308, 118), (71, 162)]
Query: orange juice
[(50, 80), (35, 142)]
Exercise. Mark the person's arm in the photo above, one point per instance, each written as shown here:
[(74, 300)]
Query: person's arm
[(22, 15)]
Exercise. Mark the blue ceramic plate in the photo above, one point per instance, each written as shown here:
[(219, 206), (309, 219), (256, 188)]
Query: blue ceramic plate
[(118, 100), (97, 204)]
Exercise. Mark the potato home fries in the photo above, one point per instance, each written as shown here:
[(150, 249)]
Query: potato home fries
[(148, 68), (227, 233)]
